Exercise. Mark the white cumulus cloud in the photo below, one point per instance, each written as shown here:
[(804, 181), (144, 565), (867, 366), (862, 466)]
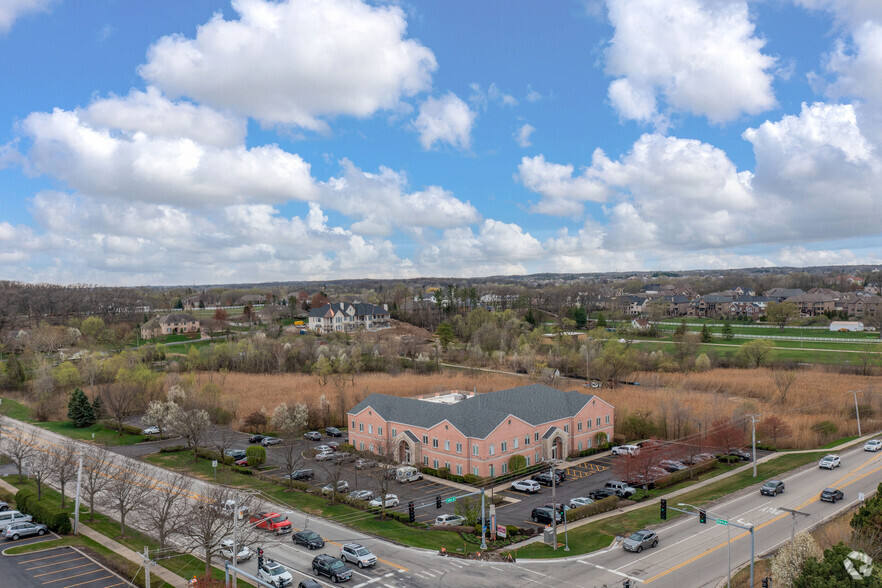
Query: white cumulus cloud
[(12, 10), (522, 136), (563, 194), (447, 119)]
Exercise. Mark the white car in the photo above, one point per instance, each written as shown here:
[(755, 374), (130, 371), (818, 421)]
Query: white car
[(449, 520), (629, 450), (267, 441), (150, 431), (873, 445), (528, 486), (358, 554), (324, 456), (580, 501), (227, 551), (323, 449), (828, 462), (272, 572), (361, 495), (391, 500)]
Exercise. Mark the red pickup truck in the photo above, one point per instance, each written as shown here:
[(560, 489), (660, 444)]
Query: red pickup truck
[(271, 521)]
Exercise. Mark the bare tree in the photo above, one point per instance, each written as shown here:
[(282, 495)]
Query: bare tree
[(127, 489), (67, 463), (119, 402), (783, 381), (207, 526), (386, 470), (19, 447), (95, 478), (223, 439), (166, 508), (334, 471), (42, 467), (192, 425)]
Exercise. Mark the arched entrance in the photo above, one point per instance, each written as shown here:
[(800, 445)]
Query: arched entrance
[(404, 454), (557, 448)]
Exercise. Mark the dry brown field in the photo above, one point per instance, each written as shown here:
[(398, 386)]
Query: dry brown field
[(692, 401)]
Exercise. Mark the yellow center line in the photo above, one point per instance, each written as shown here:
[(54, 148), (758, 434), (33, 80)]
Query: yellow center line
[(760, 526)]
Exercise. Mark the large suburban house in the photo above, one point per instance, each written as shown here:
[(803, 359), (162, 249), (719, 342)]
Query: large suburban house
[(478, 434), (169, 324), (346, 317)]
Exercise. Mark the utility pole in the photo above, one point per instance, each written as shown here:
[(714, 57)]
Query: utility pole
[(753, 418), (554, 506), (793, 514), (77, 500), (483, 524), (235, 545), (728, 523), (858, 413), (146, 567)]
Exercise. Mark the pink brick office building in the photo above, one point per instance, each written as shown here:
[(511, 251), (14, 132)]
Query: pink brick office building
[(478, 433)]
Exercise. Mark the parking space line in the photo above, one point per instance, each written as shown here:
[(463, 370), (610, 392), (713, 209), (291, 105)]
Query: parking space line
[(96, 580), (55, 563), (44, 557), (64, 570), (74, 576)]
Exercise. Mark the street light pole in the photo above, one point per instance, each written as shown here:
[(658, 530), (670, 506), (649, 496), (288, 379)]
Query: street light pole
[(554, 507), (728, 524), (483, 524), (753, 437), (857, 412)]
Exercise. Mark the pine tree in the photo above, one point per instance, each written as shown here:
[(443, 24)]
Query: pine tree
[(727, 331), (15, 375), (601, 320), (705, 334), (681, 330), (98, 408), (79, 411)]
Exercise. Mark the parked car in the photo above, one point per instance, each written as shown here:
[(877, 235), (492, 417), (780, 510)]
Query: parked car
[(448, 520), (601, 493), (310, 539), (357, 554), (15, 531), (672, 465), (271, 521), (326, 456), (241, 462), (342, 487), (528, 486), (772, 488), (546, 515), (342, 456), (546, 479), (700, 458), (256, 438), (648, 477), (274, 573), (267, 441), (308, 583), (362, 495), (227, 551), (831, 495), (150, 431), (313, 436), (873, 445), (580, 501), (4, 506), (620, 488), (640, 541), (363, 464), (323, 449), (740, 454), (330, 566), (391, 501), (235, 453), (333, 432), (302, 474), (559, 505), (561, 474), (629, 450), (8, 517), (828, 462), (333, 445)]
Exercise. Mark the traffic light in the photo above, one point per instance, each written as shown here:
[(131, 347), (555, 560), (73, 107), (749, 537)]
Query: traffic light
[(437, 502), (765, 583), (259, 557), (626, 583), (410, 512), (664, 509), (702, 517)]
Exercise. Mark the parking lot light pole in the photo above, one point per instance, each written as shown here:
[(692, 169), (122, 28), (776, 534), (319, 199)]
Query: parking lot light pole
[(483, 523), (857, 413), (554, 507)]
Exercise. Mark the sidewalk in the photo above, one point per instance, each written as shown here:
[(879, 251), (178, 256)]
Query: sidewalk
[(120, 549)]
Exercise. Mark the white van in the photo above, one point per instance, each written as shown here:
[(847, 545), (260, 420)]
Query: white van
[(7, 517), (408, 474)]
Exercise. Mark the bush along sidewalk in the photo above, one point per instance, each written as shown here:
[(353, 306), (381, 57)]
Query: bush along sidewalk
[(43, 511)]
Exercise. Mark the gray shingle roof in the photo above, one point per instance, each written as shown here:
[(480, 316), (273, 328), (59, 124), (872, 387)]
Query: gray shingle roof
[(478, 416)]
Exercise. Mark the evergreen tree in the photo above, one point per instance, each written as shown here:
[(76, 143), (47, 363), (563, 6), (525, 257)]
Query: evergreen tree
[(681, 330), (98, 408), (531, 318), (445, 335), (15, 374), (706, 334), (727, 331), (601, 320), (79, 411), (579, 315)]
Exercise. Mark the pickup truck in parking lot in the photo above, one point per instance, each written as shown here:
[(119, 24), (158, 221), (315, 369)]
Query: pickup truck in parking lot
[(620, 489)]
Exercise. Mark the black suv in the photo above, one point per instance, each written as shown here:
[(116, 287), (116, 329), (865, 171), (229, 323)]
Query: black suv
[(561, 475), (333, 432), (544, 515), (831, 495), (545, 479), (304, 474), (327, 565), (256, 438), (310, 539), (601, 493)]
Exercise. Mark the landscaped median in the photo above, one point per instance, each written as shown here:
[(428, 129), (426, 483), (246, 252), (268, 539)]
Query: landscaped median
[(599, 534)]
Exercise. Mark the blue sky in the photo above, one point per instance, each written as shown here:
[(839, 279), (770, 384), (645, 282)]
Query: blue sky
[(212, 141)]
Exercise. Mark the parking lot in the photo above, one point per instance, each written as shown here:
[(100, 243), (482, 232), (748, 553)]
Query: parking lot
[(64, 567)]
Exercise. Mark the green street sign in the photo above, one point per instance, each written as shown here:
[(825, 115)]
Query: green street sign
[(722, 522), (449, 500)]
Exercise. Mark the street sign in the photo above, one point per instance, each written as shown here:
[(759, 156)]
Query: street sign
[(722, 522), (500, 531), (214, 463), (449, 500)]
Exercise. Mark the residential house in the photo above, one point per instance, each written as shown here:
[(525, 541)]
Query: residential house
[(640, 324), (478, 434), (251, 299), (862, 307), (749, 306), (812, 304), (169, 324), (782, 294), (346, 317)]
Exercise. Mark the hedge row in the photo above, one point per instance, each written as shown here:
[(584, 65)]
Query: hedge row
[(43, 511), (589, 510), (687, 474), (591, 451)]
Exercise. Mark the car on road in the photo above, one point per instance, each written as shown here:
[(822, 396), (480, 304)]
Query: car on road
[(831, 495), (362, 495), (330, 566), (629, 450), (546, 515), (580, 501), (324, 456), (357, 554), (256, 438), (828, 462), (272, 572), (528, 486), (271, 521), (363, 464), (672, 465), (267, 441), (772, 488), (150, 431), (391, 501), (302, 474), (17, 530), (342, 487), (310, 539), (601, 493), (449, 520), (313, 436), (227, 551), (236, 454), (546, 479), (873, 445), (620, 488), (640, 540), (333, 432)]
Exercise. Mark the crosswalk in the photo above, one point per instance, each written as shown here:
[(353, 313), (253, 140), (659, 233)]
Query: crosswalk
[(405, 578)]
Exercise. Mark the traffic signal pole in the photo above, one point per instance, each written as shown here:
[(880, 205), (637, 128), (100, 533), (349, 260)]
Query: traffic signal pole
[(701, 513)]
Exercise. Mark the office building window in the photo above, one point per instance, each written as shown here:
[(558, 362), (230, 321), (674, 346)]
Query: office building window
[(588, 424), (476, 471), (566, 428), (459, 447), (580, 446), (380, 431), (474, 450), (536, 436), (371, 429), (435, 463), (425, 460), (353, 424), (361, 445), (446, 445), (435, 443), (598, 421), (459, 470), (361, 427), (579, 426), (505, 468), (514, 443), (607, 419), (503, 446), (528, 460), (394, 432), (526, 440), (425, 439), (491, 451)]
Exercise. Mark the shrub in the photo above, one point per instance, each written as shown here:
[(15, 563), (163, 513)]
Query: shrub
[(347, 447), (129, 429), (256, 455), (687, 474), (43, 511), (242, 470), (729, 458), (173, 449), (212, 455), (471, 479), (604, 505), (517, 463)]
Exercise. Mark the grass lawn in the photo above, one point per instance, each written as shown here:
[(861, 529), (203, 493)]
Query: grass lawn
[(838, 442), (317, 505), (97, 432), (599, 534), (781, 353)]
